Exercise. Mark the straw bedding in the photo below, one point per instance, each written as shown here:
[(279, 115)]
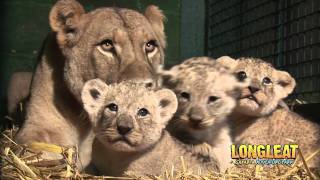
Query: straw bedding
[(25, 163), (21, 162)]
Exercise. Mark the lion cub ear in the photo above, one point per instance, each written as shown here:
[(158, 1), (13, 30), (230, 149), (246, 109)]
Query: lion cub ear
[(286, 83), (64, 19), (168, 78), (156, 18), (227, 62), (168, 104), (93, 96)]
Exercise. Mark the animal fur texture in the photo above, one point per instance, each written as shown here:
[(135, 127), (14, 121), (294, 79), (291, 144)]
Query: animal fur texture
[(258, 119), (18, 90), (112, 44), (130, 122), (206, 94)]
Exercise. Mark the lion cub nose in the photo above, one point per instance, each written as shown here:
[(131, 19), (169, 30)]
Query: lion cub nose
[(124, 124), (196, 115), (253, 89), (196, 118)]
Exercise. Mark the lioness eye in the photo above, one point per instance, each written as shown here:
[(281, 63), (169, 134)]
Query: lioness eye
[(150, 46), (266, 81), (112, 107), (241, 75), (106, 45), (185, 96), (143, 112), (212, 99)]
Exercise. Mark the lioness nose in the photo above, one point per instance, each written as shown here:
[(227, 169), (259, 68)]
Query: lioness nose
[(253, 89), (124, 125)]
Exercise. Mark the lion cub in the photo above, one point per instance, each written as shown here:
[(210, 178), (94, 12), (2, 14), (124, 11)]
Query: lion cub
[(258, 118), (206, 94), (130, 122)]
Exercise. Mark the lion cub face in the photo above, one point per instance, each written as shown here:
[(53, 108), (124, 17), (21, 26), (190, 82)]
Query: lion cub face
[(112, 44), (128, 117), (268, 85), (206, 93)]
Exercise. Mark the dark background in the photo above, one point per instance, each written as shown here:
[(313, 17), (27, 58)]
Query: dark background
[(283, 32)]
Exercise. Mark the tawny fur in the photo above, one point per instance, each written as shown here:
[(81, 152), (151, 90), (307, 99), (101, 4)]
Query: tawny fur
[(259, 119), (211, 96), (156, 160), (18, 90), (106, 43), (147, 148)]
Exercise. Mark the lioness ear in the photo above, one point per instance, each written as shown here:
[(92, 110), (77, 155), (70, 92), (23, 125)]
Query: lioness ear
[(285, 81), (93, 96), (156, 18), (64, 19), (168, 104), (227, 62)]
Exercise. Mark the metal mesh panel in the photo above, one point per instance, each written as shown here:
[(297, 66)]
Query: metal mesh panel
[(283, 32)]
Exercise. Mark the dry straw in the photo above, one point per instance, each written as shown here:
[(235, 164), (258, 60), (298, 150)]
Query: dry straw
[(25, 163)]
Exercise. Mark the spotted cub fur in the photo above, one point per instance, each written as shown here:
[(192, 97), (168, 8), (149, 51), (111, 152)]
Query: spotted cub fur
[(258, 119), (130, 122), (206, 94)]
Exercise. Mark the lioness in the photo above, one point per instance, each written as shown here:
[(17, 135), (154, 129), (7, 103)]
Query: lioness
[(112, 44)]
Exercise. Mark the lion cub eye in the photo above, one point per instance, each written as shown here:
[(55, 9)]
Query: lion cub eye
[(106, 45), (112, 107), (185, 96), (266, 81), (143, 112), (212, 99), (241, 76), (150, 46)]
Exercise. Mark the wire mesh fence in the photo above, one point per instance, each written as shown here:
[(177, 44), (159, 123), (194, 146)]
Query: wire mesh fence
[(283, 32)]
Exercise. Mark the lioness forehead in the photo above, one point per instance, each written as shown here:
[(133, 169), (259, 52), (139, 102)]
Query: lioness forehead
[(126, 18)]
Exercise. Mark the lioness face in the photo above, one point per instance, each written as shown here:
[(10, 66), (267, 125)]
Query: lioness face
[(128, 117), (268, 86), (111, 44)]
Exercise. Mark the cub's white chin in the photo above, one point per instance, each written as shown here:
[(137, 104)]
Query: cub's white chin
[(248, 107), (122, 146), (248, 103)]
